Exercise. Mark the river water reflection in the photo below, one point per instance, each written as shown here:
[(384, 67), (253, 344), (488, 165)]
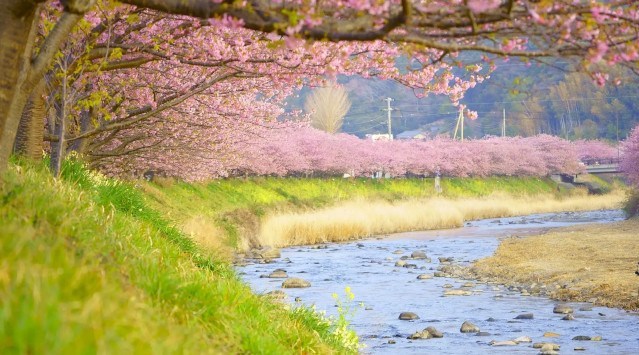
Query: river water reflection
[(382, 291)]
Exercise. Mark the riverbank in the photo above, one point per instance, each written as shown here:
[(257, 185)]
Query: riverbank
[(99, 265), (589, 263), (87, 266), (242, 214)]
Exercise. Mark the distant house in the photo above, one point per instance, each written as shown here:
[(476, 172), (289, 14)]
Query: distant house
[(379, 137), (414, 134)]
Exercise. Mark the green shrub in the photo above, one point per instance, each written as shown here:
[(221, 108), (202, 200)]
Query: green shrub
[(631, 207)]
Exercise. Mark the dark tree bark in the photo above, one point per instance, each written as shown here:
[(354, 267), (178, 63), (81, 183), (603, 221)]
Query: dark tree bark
[(58, 146), (30, 134), (17, 33), (18, 25)]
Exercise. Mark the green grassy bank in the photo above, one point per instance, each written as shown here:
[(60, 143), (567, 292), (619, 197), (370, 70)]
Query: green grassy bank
[(235, 206), (229, 214), (93, 265), (86, 266)]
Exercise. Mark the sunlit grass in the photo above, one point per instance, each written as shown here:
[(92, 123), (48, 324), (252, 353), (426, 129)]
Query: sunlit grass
[(89, 264), (240, 207), (87, 267)]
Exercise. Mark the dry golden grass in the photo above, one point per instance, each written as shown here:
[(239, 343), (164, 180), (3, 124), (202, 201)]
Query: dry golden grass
[(207, 235), (357, 219), (595, 261), (362, 218)]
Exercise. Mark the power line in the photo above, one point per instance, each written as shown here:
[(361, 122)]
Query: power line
[(520, 101), (365, 129)]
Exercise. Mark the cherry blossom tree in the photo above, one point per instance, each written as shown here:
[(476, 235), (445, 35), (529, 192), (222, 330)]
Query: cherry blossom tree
[(593, 33), (596, 150), (630, 161), (144, 74), (298, 150)]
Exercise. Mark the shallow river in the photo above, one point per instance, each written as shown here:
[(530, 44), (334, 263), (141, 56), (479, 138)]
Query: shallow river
[(382, 291)]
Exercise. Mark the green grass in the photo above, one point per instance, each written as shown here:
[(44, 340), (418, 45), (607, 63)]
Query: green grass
[(94, 265), (236, 204), (86, 266)]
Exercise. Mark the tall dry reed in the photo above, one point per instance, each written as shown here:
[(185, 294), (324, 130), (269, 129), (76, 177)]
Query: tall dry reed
[(361, 218)]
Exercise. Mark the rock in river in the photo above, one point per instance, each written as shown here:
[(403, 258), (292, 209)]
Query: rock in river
[(424, 277), (546, 346), (418, 255), (427, 333), (525, 316), (278, 274), (295, 282), (434, 332), (420, 335), (581, 337), (457, 293), (267, 253), (568, 317), (502, 343), (562, 309), (408, 316), (523, 339), (468, 327)]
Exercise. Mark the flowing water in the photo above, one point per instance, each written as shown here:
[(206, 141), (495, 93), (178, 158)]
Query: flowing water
[(382, 291)]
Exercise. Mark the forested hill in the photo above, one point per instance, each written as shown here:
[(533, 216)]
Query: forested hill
[(536, 99)]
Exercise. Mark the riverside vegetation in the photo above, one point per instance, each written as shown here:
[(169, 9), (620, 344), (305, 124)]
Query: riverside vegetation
[(91, 264), (240, 214), (88, 267)]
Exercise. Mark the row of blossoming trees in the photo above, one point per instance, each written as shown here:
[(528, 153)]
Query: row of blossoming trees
[(296, 150), (186, 86)]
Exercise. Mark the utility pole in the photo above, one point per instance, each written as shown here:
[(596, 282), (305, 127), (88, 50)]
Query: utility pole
[(460, 125), (503, 126), (618, 151), (461, 114), (389, 109)]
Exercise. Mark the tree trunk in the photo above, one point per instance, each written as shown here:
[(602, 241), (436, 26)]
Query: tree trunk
[(85, 118), (30, 134), (17, 30), (18, 25), (58, 147)]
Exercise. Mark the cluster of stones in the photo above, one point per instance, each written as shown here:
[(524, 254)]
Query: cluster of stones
[(447, 268), (545, 348)]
